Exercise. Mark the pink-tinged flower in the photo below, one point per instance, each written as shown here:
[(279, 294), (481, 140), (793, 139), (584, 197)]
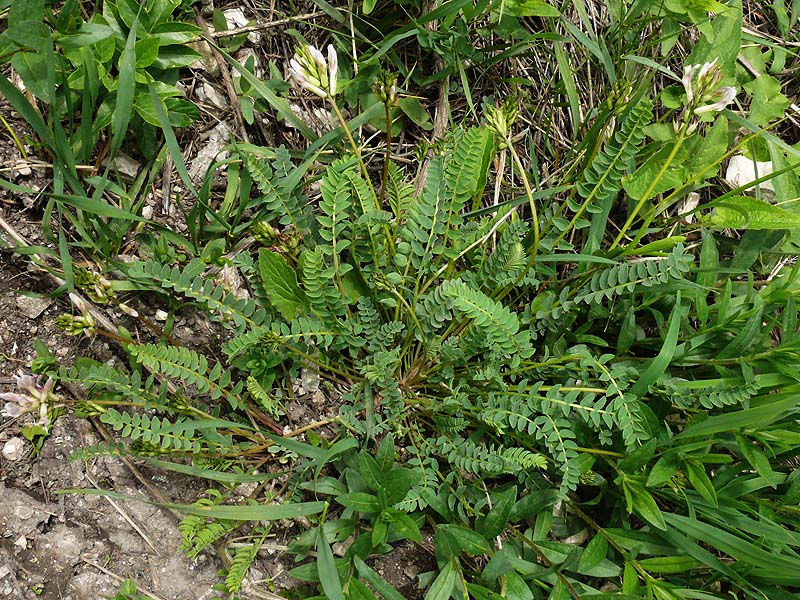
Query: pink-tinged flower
[(313, 72), (725, 95), (33, 395), (333, 68), (703, 94)]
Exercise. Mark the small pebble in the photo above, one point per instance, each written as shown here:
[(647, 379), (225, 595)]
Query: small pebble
[(14, 449)]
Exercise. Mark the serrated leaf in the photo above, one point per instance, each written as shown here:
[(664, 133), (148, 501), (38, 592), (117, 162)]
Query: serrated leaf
[(280, 283)]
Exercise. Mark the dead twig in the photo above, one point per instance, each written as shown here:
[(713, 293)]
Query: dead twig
[(226, 77), (120, 579), (266, 25)]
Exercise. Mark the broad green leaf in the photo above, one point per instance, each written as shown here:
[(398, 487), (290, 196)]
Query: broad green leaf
[(594, 553), (642, 502), (530, 8), (725, 42), (358, 591), (24, 10), (87, 35), (368, 6), (744, 212), (469, 541), (175, 57), (359, 501), (757, 459), (495, 520), (180, 112), (445, 582), (397, 483), (326, 568), (385, 454), (659, 364), (280, 283), (414, 110), (664, 469), (696, 472), (370, 471), (146, 51), (32, 69), (403, 524), (768, 101), (31, 35), (651, 177), (517, 588), (175, 33), (666, 565), (559, 591), (375, 580)]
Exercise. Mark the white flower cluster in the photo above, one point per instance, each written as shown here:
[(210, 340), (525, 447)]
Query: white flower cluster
[(312, 72), (703, 92), (33, 396)]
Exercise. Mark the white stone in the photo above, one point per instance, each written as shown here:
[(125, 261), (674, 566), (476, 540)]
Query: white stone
[(743, 170), (31, 306), (14, 449), (161, 315)]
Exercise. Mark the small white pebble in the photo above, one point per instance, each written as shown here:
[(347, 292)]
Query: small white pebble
[(161, 315), (14, 449)]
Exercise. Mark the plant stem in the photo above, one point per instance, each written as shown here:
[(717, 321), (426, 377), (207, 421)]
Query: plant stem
[(356, 150), (531, 201), (387, 157), (646, 196)]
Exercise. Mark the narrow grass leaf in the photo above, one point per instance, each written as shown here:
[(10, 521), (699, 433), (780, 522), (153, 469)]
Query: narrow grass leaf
[(126, 90), (379, 584), (171, 141), (245, 512), (659, 364), (97, 207), (211, 474), (326, 568)]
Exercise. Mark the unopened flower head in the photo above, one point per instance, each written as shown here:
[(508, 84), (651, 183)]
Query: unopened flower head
[(703, 92), (313, 72), (500, 119), (385, 88), (33, 395)]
